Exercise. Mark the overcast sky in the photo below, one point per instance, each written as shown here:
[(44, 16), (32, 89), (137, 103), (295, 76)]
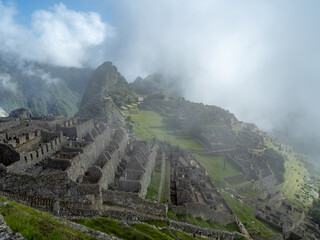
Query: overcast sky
[(259, 59)]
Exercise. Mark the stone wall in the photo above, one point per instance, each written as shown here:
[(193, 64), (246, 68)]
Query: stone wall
[(7, 123), (61, 208), (33, 157), (216, 234), (51, 186), (146, 177), (81, 162), (132, 200), (111, 159), (204, 211), (76, 127), (163, 173)]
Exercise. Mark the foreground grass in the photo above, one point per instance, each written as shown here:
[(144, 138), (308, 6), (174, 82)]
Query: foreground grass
[(34, 224), (150, 124), (110, 226), (215, 165)]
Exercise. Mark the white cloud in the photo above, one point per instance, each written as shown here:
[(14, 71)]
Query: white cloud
[(60, 36), (6, 83), (31, 70)]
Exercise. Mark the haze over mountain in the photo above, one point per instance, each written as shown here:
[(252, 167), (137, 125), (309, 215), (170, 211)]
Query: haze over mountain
[(259, 59)]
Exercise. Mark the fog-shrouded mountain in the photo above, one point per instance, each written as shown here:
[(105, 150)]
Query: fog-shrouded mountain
[(158, 83), (43, 89), (106, 90)]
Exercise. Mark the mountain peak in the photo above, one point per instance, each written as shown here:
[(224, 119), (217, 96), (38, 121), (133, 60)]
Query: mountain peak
[(105, 83)]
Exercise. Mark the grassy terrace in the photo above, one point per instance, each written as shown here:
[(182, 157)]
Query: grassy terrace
[(150, 125), (295, 184), (153, 188), (245, 213), (215, 165), (295, 178), (34, 224), (165, 194), (136, 231), (208, 224)]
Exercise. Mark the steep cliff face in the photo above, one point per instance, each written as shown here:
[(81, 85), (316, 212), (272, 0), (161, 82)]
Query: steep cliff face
[(106, 91)]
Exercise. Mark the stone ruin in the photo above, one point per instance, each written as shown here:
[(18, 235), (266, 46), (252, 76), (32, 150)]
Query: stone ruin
[(85, 167), (192, 190), (70, 161), (255, 168)]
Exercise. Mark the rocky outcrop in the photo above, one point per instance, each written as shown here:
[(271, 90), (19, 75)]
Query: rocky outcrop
[(106, 90), (20, 113)]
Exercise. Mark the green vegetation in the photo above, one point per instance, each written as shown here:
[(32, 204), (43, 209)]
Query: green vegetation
[(315, 211), (215, 165), (294, 178), (169, 233), (150, 231), (165, 194), (157, 223), (148, 125), (109, 226), (172, 215), (34, 224), (153, 188), (207, 224), (297, 186), (251, 193), (185, 236), (135, 231), (245, 213)]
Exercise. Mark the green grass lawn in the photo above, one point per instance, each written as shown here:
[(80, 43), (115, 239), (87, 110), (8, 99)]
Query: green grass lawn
[(165, 194), (151, 125), (152, 232), (34, 224), (241, 184), (215, 165), (251, 193), (208, 224), (153, 188), (244, 213)]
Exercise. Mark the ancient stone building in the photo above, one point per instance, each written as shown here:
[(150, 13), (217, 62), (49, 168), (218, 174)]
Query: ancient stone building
[(192, 190)]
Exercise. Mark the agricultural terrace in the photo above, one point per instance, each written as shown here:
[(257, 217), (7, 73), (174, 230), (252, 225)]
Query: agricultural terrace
[(149, 124)]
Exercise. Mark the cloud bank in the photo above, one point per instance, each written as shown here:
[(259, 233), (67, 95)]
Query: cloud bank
[(58, 36), (259, 59)]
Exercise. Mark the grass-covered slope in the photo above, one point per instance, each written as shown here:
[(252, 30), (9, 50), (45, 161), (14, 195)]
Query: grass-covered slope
[(34, 224), (149, 124)]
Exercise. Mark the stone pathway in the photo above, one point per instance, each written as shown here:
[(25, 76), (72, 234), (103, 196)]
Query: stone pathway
[(5, 231)]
